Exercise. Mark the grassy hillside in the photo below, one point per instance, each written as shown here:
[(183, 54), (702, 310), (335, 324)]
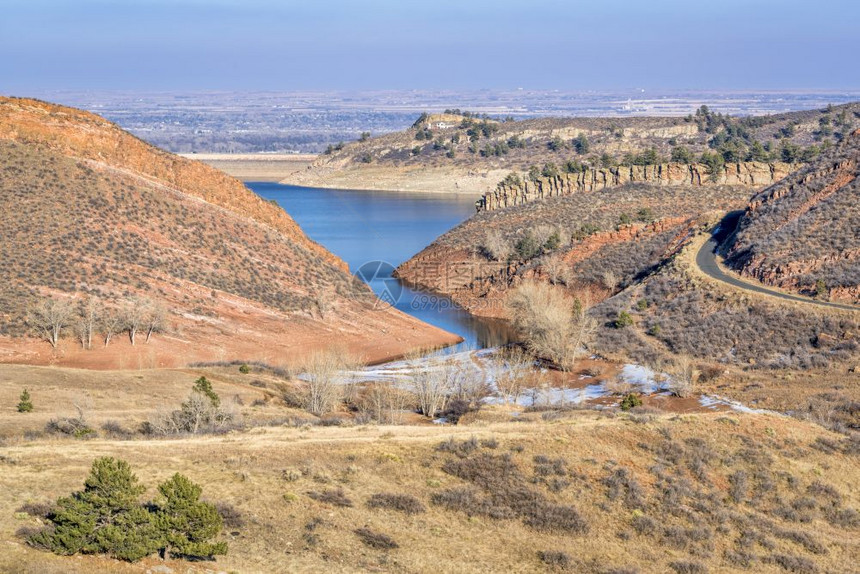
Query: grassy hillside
[(802, 233), (577, 491)]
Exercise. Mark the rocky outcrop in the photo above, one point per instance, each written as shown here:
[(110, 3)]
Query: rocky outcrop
[(751, 174)]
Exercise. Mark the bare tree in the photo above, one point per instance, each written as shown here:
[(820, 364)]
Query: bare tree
[(154, 320), (512, 369), (468, 383), (583, 328), (557, 270), (90, 311), (111, 324), (135, 315), (323, 374), (432, 388), (555, 326), (49, 318), (385, 402)]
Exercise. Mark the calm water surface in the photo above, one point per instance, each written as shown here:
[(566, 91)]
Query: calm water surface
[(364, 227)]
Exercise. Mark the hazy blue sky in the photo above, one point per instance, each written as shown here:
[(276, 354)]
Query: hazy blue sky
[(397, 44)]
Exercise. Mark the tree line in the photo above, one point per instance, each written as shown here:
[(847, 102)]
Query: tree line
[(52, 318)]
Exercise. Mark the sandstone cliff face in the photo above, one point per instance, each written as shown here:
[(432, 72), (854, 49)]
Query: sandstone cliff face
[(803, 233), (749, 174)]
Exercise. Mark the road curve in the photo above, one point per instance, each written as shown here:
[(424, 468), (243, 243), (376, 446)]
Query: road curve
[(706, 261)]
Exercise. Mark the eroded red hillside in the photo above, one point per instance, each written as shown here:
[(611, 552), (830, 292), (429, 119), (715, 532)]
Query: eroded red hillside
[(87, 210)]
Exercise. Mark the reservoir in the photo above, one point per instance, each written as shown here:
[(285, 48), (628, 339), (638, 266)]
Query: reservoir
[(374, 232)]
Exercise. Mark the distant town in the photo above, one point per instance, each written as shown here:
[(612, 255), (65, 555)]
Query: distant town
[(307, 122)]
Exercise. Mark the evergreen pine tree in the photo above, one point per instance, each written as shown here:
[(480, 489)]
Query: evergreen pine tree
[(187, 524), (25, 405), (203, 386)]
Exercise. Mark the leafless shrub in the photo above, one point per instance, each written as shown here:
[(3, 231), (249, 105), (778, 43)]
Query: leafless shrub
[(555, 559), (796, 564), (507, 494), (496, 246), (230, 515), (324, 387), (687, 567), (402, 502), (37, 509), (115, 430), (645, 525), (618, 386), (683, 375), (199, 414), (738, 486), (333, 497), (554, 326), (460, 448), (622, 485), (376, 539)]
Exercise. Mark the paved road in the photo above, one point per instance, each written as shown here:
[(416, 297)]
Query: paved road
[(706, 260)]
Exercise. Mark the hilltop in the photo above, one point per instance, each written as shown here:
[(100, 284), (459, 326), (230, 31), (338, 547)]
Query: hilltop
[(468, 153), (90, 212), (803, 234)]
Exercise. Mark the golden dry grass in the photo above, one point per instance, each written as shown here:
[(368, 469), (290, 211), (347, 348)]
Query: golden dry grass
[(267, 473)]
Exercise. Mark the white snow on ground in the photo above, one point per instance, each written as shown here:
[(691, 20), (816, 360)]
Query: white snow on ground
[(481, 364)]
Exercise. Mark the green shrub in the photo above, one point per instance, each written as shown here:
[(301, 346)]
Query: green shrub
[(25, 405), (528, 247), (630, 401), (624, 320), (244, 369)]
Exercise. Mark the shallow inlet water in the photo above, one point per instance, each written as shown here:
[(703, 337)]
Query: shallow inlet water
[(366, 227)]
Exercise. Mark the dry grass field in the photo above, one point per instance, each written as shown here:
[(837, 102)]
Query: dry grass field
[(575, 491)]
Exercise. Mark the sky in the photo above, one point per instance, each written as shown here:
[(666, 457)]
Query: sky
[(571, 45)]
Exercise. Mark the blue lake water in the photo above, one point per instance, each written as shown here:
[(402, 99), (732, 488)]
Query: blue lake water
[(375, 232)]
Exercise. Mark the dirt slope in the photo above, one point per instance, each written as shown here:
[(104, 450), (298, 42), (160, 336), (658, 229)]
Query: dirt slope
[(803, 233)]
